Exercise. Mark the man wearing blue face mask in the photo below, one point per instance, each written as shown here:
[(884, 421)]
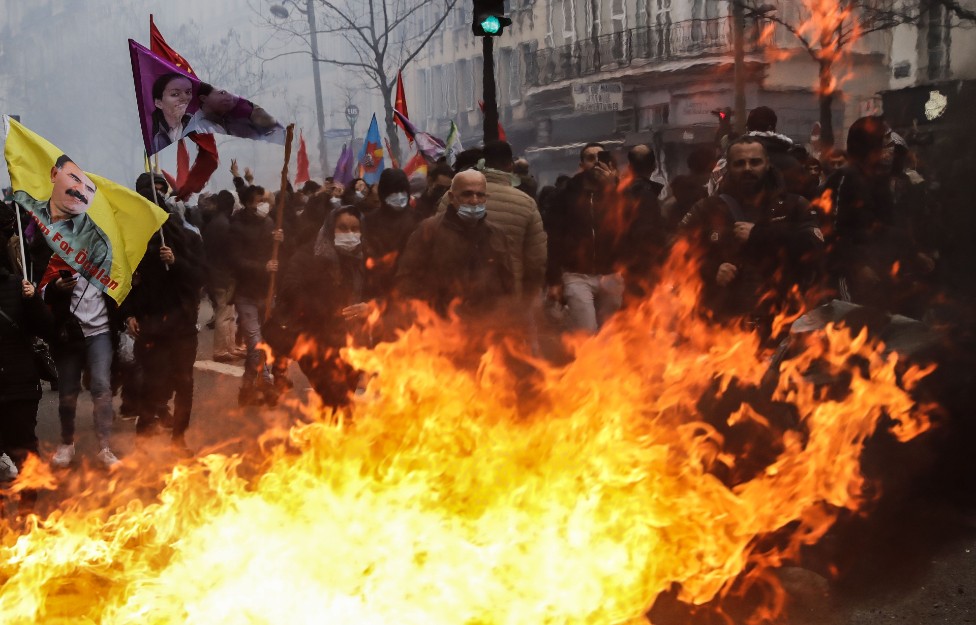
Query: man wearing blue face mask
[(457, 255)]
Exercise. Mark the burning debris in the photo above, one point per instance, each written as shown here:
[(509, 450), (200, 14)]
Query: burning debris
[(450, 496)]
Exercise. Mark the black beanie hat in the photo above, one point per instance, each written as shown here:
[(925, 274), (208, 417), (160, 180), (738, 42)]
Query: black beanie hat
[(392, 181)]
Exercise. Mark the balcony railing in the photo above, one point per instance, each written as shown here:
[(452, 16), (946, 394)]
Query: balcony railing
[(681, 40)]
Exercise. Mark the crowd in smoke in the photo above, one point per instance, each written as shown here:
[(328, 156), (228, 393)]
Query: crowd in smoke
[(298, 275)]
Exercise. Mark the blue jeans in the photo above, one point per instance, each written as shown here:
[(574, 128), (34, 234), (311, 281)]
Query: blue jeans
[(249, 316), (96, 352)]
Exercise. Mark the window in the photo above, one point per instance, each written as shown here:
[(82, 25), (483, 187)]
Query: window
[(937, 42), (450, 91), (479, 84), (439, 104), (591, 14), (465, 86), (550, 42), (618, 15), (569, 21), (643, 15)]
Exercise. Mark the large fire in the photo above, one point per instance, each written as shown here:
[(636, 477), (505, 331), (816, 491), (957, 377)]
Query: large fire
[(468, 494)]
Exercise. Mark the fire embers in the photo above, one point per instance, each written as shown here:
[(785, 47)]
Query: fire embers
[(454, 500)]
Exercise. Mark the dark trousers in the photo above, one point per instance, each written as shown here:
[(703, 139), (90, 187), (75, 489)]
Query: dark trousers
[(167, 367), (17, 429)]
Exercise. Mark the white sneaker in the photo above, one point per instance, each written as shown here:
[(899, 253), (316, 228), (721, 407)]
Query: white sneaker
[(107, 457), (63, 456), (8, 470)]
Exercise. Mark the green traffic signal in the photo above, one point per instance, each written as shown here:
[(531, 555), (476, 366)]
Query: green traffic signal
[(491, 25)]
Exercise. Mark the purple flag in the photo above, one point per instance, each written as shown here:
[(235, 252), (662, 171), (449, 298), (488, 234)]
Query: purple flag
[(429, 145), (343, 170), (174, 104)]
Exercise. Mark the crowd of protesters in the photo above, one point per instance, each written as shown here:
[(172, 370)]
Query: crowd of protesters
[(773, 223)]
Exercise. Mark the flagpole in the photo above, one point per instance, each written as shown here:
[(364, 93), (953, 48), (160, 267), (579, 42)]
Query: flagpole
[(20, 237), (279, 217), (152, 181)]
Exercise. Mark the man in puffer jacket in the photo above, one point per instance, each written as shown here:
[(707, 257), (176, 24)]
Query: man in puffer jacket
[(517, 216)]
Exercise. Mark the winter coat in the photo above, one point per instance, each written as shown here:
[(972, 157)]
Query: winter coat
[(252, 241), (784, 249), (447, 259), (19, 379), (385, 235), (164, 301), (580, 223), (517, 216), (317, 284), (217, 244)]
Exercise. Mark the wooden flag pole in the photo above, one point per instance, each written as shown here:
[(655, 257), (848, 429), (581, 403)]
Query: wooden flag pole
[(152, 181), (279, 217), (20, 238)]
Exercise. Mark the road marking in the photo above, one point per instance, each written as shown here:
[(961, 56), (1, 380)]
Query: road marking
[(219, 367)]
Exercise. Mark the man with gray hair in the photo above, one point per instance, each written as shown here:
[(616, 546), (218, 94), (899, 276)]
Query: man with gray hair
[(457, 256)]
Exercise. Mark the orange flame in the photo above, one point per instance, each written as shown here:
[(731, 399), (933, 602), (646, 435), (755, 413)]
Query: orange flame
[(459, 497)]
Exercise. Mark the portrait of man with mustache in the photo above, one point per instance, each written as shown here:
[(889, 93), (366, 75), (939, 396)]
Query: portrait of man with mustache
[(64, 220)]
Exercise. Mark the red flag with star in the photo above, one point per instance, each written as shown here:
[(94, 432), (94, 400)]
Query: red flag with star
[(192, 179), (400, 106)]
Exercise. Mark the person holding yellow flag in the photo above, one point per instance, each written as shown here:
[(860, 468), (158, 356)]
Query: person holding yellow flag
[(100, 229)]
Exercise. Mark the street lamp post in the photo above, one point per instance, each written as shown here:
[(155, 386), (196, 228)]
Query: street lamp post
[(280, 11), (352, 114)]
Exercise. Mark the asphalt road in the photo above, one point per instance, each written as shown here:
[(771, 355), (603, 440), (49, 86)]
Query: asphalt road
[(912, 561)]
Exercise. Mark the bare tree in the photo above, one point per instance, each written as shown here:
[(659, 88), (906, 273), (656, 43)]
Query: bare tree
[(826, 30), (224, 63), (381, 37)]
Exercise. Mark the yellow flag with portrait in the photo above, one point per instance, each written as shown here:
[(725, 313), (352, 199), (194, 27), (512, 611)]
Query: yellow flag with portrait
[(99, 228)]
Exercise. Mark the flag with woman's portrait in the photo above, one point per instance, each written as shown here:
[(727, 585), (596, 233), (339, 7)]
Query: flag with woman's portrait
[(99, 228), (174, 103)]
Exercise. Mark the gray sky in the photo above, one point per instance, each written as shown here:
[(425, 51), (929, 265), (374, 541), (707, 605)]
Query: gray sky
[(65, 69)]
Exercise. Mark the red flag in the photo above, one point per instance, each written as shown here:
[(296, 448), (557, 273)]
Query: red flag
[(501, 131), (400, 106), (416, 165), (170, 180), (159, 47), (301, 169), (193, 179), (182, 164)]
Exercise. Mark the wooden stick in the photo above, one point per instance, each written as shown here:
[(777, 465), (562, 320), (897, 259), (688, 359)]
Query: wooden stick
[(20, 238), (152, 181), (279, 217)]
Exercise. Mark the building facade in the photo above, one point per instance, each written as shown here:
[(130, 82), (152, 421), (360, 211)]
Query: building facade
[(633, 71)]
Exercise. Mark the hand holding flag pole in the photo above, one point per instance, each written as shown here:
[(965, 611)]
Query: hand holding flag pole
[(280, 216), (152, 179)]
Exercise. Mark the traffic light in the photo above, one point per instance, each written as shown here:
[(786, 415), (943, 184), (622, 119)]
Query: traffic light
[(489, 18)]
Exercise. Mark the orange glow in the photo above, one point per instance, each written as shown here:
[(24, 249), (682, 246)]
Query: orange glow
[(456, 495)]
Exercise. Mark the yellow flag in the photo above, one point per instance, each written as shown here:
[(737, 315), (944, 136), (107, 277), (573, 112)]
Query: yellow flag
[(100, 228)]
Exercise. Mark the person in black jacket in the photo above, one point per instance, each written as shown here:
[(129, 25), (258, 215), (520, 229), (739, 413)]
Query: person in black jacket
[(582, 224), (24, 316), (161, 314), (757, 241), (642, 236), (217, 242), (323, 297), (252, 240)]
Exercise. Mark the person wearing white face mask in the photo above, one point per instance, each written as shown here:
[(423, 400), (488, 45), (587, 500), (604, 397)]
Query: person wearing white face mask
[(458, 255), (387, 228), (252, 239), (323, 296)]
